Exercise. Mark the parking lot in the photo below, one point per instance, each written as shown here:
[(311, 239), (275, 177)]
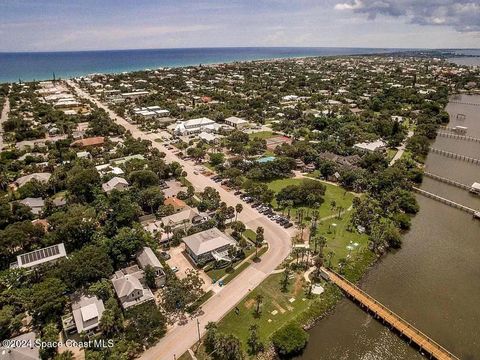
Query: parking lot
[(180, 260)]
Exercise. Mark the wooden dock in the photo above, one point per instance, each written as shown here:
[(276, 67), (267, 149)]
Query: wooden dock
[(457, 136), (382, 313), (448, 202), (455, 156), (464, 103), (447, 181)]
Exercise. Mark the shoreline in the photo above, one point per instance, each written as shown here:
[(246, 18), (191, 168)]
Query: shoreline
[(126, 67)]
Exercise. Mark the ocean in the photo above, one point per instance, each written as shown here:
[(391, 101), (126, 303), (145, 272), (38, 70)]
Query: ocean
[(28, 66)]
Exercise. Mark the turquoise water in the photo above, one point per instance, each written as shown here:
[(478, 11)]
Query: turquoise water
[(42, 65)]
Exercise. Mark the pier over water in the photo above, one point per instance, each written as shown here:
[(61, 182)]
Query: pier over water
[(382, 313)]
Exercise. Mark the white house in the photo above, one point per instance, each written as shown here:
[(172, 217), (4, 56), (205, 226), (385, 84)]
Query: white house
[(87, 311), (208, 245), (129, 286), (116, 183), (377, 145), (194, 126), (236, 122), (41, 256)]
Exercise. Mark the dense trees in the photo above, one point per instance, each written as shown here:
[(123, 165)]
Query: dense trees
[(308, 192)]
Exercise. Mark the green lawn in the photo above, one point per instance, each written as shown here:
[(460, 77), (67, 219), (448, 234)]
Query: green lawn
[(342, 198), (261, 135), (340, 241), (391, 153), (275, 300)]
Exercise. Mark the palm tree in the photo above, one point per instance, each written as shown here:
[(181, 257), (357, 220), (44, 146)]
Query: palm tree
[(168, 230), (258, 239), (238, 210), (259, 300)]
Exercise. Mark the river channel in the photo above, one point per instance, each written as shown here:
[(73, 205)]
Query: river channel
[(433, 281)]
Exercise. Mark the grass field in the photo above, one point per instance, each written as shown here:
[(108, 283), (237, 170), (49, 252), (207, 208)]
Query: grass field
[(276, 308), (341, 197), (340, 241), (261, 135), (273, 300)]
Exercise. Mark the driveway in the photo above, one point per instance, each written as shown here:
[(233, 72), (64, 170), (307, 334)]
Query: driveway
[(180, 260)]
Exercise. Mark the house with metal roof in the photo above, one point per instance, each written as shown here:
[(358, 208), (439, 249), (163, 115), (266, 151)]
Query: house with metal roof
[(41, 256), (35, 204), (146, 257), (115, 183), (236, 122), (86, 313), (130, 287), (211, 244)]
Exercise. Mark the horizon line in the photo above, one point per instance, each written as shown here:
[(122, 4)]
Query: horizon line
[(231, 47)]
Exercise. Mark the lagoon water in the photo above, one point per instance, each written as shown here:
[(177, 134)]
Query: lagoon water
[(41, 65), (432, 281)]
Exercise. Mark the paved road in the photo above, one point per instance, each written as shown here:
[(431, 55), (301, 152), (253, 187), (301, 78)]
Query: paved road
[(401, 149), (181, 338), (3, 118)]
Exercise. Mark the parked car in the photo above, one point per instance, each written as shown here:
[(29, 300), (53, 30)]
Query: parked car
[(288, 225), (164, 255), (238, 192), (174, 269)]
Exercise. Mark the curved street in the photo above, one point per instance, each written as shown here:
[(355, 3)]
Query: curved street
[(182, 337)]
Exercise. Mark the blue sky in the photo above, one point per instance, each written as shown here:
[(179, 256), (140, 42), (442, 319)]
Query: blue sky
[(45, 25)]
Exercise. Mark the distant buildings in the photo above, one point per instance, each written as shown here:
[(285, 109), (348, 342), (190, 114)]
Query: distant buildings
[(39, 257), (195, 126), (236, 122), (134, 95), (151, 112), (377, 145)]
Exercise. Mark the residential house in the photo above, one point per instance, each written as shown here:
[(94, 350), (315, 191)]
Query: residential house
[(89, 142), (146, 257), (39, 257), (35, 204), (130, 288), (372, 146), (86, 313), (181, 219), (211, 244), (115, 183), (41, 177)]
